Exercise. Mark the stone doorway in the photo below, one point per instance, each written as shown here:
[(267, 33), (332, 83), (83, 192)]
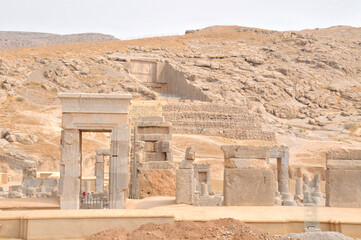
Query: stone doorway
[(94, 113)]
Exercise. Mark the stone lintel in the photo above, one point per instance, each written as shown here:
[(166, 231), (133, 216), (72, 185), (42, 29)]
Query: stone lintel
[(245, 163)]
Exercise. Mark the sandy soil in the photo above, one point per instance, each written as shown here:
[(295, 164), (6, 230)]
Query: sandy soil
[(215, 229)]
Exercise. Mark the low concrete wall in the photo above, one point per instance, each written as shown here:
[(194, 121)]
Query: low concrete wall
[(72, 224), (76, 224)]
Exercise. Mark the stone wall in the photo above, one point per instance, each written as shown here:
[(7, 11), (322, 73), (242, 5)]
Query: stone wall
[(215, 119), (343, 178), (248, 180), (152, 167), (163, 78)]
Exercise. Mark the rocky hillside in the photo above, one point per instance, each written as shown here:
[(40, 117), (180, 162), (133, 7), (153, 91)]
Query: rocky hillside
[(11, 40), (303, 85)]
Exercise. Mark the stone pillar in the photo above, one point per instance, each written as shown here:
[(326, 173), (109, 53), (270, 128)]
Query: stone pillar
[(282, 174), (118, 168), (299, 190), (70, 169), (204, 189), (138, 159), (99, 173), (185, 185)]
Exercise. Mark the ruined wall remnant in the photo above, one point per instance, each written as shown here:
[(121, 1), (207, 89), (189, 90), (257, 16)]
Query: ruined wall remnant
[(192, 189), (152, 158), (343, 178), (162, 77), (248, 180)]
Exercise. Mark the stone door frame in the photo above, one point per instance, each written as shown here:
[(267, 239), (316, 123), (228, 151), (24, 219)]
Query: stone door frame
[(93, 113)]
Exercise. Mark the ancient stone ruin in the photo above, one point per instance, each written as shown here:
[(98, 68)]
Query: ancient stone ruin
[(193, 183), (99, 113), (248, 180), (343, 178), (152, 154)]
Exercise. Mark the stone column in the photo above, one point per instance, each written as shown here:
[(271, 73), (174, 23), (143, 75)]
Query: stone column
[(99, 173), (70, 169), (282, 174), (185, 185), (204, 189), (299, 191), (138, 159), (118, 168)]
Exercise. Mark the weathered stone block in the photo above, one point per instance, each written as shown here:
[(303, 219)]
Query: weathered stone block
[(190, 153), (206, 200), (249, 187), (185, 186), (240, 151), (153, 130), (163, 146), (169, 156), (343, 188), (153, 137), (149, 147), (154, 156), (245, 163)]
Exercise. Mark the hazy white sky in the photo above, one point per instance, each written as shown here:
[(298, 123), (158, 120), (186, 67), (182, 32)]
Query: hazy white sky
[(132, 18)]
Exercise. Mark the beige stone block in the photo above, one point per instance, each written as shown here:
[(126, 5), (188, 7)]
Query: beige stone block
[(245, 163), (149, 147), (343, 188), (249, 187), (185, 186), (153, 137), (241, 151), (94, 103), (260, 152), (154, 156), (190, 153), (169, 156), (163, 146), (153, 130), (93, 121)]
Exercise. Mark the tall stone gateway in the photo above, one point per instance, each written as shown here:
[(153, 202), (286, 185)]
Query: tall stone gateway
[(83, 112), (343, 178)]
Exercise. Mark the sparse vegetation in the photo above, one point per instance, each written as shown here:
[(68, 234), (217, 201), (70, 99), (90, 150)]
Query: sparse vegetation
[(351, 127), (20, 99)]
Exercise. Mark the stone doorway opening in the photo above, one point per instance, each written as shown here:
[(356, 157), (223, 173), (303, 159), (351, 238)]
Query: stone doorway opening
[(95, 167)]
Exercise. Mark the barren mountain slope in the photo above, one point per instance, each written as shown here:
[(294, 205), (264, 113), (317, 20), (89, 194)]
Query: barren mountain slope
[(11, 40), (305, 86)]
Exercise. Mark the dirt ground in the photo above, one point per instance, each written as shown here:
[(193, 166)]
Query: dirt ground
[(227, 228)]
